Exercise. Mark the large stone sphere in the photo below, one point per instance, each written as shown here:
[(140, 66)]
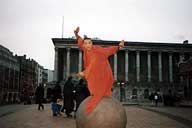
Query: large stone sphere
[(109, 113)]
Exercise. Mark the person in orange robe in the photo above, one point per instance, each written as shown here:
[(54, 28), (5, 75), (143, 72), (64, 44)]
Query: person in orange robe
[(97, 69)]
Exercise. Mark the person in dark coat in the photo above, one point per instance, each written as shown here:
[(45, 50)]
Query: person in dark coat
[(156, 99), (39, 96), (151, 98), (57, 91), (81, 93), (68, 95)]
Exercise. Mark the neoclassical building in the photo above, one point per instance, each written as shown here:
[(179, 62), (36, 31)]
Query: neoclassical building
[(139, 68)]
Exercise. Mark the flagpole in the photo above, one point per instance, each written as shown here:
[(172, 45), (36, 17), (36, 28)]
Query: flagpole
[(62, 26)]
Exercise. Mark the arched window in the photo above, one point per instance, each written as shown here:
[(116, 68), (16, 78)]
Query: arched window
[(146, 93), (134, 94)]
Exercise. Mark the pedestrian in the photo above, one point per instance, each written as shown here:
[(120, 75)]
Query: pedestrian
[(81, 92), (68, 96), (151, 98), (57, 91), (156, 99), (97, 71), (56, 95), (39, 93), (56, 106)]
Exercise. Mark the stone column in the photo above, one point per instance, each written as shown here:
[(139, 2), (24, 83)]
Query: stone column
[(14, 90), (126, 65), (160, 66), (64, 66), (68, 62), (4, 90), (8, 87), (18, 88), (138, 66), (56, 65), (181, 58), (80, 60), (190, 55), (149, 66), (115, 67), (170, 68), (3, 73), (14, 77)]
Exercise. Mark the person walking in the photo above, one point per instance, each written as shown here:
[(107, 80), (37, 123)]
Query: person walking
[(40, 96), (81, 93), (68, 96), (156, 99)]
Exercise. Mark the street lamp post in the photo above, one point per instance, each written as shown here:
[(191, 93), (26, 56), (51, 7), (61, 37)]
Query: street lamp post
[(121, 90)]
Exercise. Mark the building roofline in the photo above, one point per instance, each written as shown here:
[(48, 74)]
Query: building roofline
[(127, 43), (7, 50)]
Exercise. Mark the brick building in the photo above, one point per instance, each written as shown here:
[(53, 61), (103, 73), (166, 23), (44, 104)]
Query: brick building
[(28, 78)]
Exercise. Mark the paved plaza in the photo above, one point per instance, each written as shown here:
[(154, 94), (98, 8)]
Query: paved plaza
[(27, 116)]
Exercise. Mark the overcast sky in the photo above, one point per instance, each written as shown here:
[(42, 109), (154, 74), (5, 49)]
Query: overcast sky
[(27, 26)]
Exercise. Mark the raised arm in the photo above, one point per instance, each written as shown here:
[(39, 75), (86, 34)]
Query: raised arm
[(79, 39), (108, 51), (113, 49)]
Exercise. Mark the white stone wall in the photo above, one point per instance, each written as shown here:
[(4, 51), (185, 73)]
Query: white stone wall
[(40, 70), (50, 75)]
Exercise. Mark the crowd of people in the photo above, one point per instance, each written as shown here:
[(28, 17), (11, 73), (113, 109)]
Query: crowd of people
[(155, 98), (66, 101), (73, 95), (168, 99)]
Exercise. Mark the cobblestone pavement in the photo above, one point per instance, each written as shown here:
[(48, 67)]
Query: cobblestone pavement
[(8, 109), (183, 112), (180, 114), (30, 117)]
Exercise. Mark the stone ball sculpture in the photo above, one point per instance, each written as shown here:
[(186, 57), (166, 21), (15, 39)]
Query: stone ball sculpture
[(109, 113)]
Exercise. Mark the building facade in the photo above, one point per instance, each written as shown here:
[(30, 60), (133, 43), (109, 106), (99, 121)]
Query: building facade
[(50, 75), (19, 77), (28, 78), (139, 69), (42, 75), (45, 77), (185, 70), (9, 76)]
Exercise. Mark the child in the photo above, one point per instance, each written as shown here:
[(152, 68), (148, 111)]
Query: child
[(56, 106)]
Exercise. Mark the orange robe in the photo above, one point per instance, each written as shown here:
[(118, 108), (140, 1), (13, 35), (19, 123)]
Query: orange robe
[(97, 72)]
